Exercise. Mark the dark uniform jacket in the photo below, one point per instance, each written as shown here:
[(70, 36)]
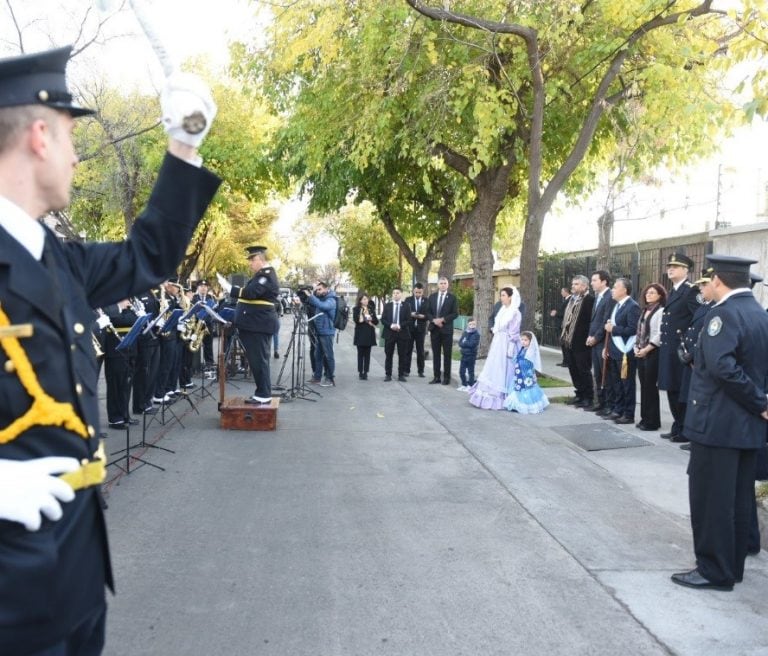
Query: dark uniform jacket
[(365, 334), (730, 376), (624, 326), (449, 311), (601, 312), (49, 579), (418, 325), (678, 314), (690, 339), (259, 317), (403, 319)]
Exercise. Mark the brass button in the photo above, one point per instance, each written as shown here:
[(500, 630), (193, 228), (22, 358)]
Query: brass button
[(78, 328), (9, 367), (694, 401), (79, 388), (42, 95), (72, 348), (91, 431)]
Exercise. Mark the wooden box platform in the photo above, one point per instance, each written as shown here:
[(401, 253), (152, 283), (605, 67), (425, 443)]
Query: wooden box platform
[(236, 414)]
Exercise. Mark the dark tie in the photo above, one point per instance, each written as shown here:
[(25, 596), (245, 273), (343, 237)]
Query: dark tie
[(440, 303)]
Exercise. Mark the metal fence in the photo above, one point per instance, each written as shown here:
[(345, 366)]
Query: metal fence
[(644, 264)]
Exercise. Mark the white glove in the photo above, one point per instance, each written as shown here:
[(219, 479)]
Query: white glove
[(181, 326), (188, 108), (28, 488), (103, 321)]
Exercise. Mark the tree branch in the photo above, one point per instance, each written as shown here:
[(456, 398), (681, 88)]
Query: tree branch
[(455, 160), (16, 25), (470, 21)]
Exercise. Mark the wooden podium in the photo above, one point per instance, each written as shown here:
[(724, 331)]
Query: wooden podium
[(236, 414)]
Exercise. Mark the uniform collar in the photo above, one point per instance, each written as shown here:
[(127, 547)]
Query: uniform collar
[(22, 227), (733, 292)]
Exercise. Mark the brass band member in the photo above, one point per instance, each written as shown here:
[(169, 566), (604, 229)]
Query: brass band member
[(256, 320), (52, 580)]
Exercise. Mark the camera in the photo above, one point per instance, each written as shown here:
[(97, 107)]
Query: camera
[(303, 293)]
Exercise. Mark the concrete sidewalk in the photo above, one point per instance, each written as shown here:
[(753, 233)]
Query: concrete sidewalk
[(394, 518)]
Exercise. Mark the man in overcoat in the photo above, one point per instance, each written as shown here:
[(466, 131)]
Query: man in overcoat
[(54, 559), (679, 309), (725, 423)]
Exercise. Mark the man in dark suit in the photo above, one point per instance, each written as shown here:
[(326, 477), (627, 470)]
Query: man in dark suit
[(578, 314), (620, 330), (54, 560), (601, 311), (678, 314), (725, 422), (396, 319), (442, 309), (417, 305)]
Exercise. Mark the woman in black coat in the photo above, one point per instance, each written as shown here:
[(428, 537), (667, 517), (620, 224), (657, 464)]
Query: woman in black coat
[(364, 318)]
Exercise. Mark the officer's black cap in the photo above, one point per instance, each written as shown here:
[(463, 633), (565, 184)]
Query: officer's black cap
[(175, 281), (680, 259), (38, 79), (754, 279), (203, 282), (706, 276), (255, 250), (730, 263)]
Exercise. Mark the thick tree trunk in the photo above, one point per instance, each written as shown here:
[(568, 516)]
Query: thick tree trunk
[(605, 228), (529, 255), (450, 246), (421, 272)]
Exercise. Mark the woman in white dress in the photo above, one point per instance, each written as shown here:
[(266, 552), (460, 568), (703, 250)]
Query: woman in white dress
[(490, 390)]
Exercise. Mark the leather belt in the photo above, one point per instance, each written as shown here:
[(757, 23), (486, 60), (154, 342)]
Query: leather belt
[(255, 302), (91, 472)]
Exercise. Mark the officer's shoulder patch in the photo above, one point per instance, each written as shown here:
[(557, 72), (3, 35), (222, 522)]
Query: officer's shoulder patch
[(262, 280), (715, 326)]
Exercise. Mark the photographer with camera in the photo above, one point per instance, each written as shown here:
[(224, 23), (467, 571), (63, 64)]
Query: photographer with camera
[(256, 320), (323, 300)]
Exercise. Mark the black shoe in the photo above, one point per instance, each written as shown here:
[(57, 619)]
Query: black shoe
[(612, 417), (387, 378), (604, 412), (151, 410), (133, 422), (434, 381), (258, 400), (750, 552), (561, 364), (667, 436), (118, 425), (406, 373), (624, 420), (573, 400), (679, 439), (421, 374), (585, 403), (695, 580), (593, 408), (640, 425), (360, 376), (685, 447), (365, 376), (446, 381), (277, 355), (402, 379)]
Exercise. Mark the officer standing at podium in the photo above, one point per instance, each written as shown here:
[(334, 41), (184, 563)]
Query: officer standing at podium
[(54, 559), (256, 320)]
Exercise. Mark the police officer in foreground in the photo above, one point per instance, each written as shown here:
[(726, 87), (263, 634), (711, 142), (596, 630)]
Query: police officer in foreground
[(256, 320), (54, 560), (679, 309), (726, 424)]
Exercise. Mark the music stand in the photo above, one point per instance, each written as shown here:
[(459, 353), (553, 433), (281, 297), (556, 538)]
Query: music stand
[(133, 334)]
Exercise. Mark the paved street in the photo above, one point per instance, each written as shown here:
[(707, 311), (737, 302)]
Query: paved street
[(394, 518)]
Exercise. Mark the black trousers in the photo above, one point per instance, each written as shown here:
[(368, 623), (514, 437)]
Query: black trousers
[(677, 408), (167, 368), (145, 373), (86, 639), (416, 342), (118, 371), (441, 343), (401, 344), (648, 375), (580, 367), (363, 359), (208, 347), (721, 489), (623, 389), (258, 348), (603, 392)]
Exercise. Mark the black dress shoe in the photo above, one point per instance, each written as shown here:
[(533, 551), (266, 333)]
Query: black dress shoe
[(118, 425), (573, 401), (387, 378), (446, 381), (360, 376), (585, 403), (624, 420), (640, 425), (695, 580), (402, 379), (685, 447), (593, 408), (434, 381), (750, 552), (421, 374), (650, 428), (679, 439), (365, 376), (604, 412), (612, 417), (667, 436)]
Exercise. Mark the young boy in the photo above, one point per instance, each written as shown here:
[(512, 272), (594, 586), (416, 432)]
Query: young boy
[(468, 343)]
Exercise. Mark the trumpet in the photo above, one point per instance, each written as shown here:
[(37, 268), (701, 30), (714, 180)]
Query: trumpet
[(96, 346), (109, 327)]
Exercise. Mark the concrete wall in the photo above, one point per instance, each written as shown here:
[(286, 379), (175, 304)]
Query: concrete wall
[(746, 241)]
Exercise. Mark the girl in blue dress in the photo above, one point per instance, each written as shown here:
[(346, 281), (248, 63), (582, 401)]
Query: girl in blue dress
[(525, 395)]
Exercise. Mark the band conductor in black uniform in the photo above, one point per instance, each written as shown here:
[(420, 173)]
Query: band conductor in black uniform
[(256, 320), (54, 559), (726, 423)]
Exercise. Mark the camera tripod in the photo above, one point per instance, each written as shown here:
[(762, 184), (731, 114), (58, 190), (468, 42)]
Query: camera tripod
[(297, 351)]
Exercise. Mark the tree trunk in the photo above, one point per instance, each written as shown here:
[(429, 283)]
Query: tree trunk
[(450, 247), (529, 256), (604, 229), (421, 272)]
